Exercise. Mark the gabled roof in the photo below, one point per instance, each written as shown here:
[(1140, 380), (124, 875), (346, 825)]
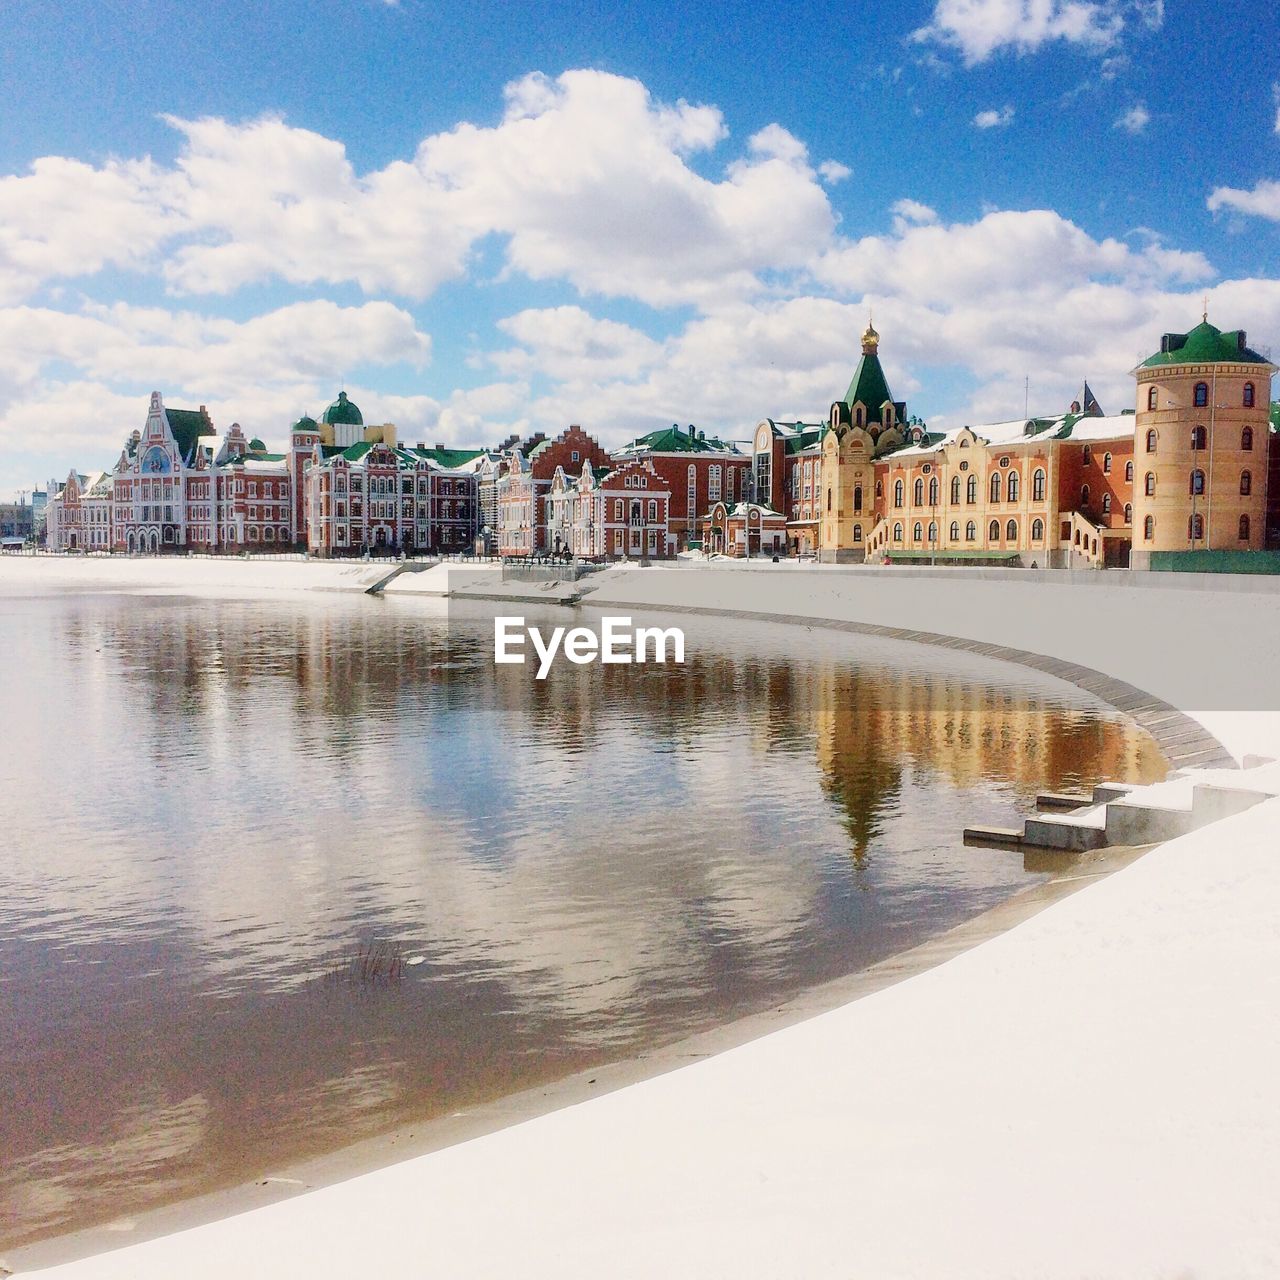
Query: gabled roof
[(1205, 344), (188, 425)]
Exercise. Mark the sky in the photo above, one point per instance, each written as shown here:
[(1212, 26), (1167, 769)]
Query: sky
[(491, 217)]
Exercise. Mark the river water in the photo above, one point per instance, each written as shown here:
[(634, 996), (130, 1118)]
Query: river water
[(280, 874)]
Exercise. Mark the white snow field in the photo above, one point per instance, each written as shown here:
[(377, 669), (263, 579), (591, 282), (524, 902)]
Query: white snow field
[(1093, 1093)]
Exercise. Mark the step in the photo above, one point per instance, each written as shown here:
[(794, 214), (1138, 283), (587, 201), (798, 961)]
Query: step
[(993, 837), (1055, 800)]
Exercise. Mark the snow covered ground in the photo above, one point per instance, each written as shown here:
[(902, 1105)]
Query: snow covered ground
[(1092, 1093)]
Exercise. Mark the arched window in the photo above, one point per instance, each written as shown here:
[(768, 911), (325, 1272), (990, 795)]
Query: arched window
[(995, 486), (1128, 472), (1246, 483), (1202, 394), (917, 532), (1037, 485), (1243, 535), (1084, 495), (917, 493), (1106, 464), (970, 532), (897, 532), (971, 490), (955, 491), (933, 491), (1087, 455), (993, 531), (1197, 482), (857, 497), (1149, 528), (1198, 438), (1128, 513), (1012, 490), (857, 533), (1151, 398), (1149, 485), (1152, 437), (879, 488), (1246, 440), (1106, 504), (933, 531), (955, 531), (1011, 531), (899, 493), (860, 420), (1195, 527), (1248, 395), (1037, 531)]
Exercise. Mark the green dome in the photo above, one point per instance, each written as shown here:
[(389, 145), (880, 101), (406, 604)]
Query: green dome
[(344, 411), (257, 446), (304, 423), (1205, 344)]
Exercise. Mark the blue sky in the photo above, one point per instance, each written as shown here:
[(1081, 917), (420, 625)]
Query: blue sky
[(490, 217)]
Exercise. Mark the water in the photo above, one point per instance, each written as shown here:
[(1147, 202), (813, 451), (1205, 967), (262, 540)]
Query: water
[(212, 806)]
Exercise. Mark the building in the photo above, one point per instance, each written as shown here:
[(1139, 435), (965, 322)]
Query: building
[(525, 483), (1204, 439), (744, 529), (611, 513), (699, 470), (17, 524)]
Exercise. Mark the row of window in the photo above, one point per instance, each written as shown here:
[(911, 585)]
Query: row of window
[(970, 531), (1200, 438), (1010, 486), (1201, 396), (1195, 528), (1196, 484)]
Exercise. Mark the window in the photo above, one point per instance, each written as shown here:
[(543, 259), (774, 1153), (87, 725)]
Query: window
[(828, 497), (857, 497), (917, 493), (993, 531), (897, 532), (1037, 531), (955, 531), (970, 532), (1012, 491), (1151, 398), (1248, 395), (1202, 395), (933, 531), (1128, 472), (1106, 464), (1152, 437), (857, 533), (1243, 535), (1198, 436), (933, 492), (713, 483), (1195, 527), (899, 492), (1246, 440), (879, 488), (971, 490), (1197, 482), (1037, 486), (995, 486), (574, 456), (917, 533), (1149, 485), (1246, 483), (1106, 504), (1084, 495), (1128, 513), (955, 491), (1149, 528), (1087, 455), (617, 509)]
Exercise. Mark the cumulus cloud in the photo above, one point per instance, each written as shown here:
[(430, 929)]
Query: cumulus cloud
[(585, 178), (978, 29), (1263, 201), (993, 119), (1135, 120), (832, 171)]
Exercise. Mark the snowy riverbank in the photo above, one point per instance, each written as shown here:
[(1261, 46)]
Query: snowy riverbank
[(1090, 1093)]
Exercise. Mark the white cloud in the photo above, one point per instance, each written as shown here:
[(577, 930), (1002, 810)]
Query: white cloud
[(1135, 120), (994, 119), (978, 29), (832, 171), (1262, 202)]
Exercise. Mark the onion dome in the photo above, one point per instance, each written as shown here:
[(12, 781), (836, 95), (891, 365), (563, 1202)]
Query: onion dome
[(343, 411)]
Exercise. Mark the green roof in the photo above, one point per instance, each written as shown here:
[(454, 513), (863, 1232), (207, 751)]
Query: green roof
[(261, 455), (187, 425), (1203, 345), (257, 446), (304, 423), (675, 439), (447, 458), (807, 435), (343, 411)]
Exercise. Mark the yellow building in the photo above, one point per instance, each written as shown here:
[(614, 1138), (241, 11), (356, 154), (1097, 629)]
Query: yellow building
[(1202, 445)]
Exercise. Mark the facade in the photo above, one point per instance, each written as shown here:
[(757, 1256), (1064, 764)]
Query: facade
[(1203, 444), (611, 513), (699, 470), (744, 529)]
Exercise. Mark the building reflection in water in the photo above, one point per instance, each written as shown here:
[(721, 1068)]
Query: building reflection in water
[(227, 795)]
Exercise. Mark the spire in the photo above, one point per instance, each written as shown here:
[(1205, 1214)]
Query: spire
[(870, 339)]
